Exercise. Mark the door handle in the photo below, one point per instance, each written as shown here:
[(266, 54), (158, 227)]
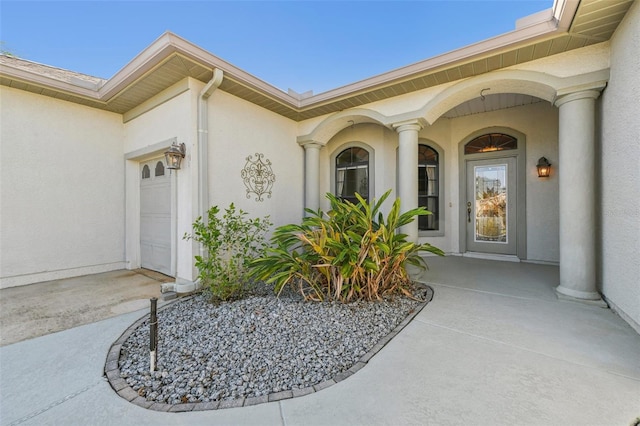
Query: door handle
[(469, 211)]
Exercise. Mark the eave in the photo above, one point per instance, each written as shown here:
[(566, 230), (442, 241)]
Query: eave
[(168, 60)]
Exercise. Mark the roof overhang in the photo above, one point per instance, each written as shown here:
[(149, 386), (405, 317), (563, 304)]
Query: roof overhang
[(569, 25)]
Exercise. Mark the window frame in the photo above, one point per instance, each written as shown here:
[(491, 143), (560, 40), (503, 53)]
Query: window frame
[(430, 193), (441, 192), (370, 171)]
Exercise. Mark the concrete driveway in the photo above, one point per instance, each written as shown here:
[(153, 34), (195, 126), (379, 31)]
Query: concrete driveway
[(494, 347), (38, 309)]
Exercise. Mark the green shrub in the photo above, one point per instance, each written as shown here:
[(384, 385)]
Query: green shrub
[(230, 243), (351, 252)]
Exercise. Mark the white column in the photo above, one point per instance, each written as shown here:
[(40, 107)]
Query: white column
[(408, 172), (312, 175), (576, 170)]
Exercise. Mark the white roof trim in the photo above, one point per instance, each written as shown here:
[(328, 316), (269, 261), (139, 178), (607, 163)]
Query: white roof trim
[(539, 25)]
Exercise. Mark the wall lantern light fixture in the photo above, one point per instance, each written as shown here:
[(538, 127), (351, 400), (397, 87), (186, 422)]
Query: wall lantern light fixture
[(544, 167), (174, 155)]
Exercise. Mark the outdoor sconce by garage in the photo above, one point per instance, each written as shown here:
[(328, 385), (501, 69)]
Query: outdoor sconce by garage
[(174, 155), (544, 167)]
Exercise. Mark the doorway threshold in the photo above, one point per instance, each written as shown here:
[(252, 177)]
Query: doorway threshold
[(492, 256)]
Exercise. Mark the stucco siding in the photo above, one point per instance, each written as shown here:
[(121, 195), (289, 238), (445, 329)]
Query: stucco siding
[(620, 173), (539, 124), (62, 193), (147, 136), (238, 130)]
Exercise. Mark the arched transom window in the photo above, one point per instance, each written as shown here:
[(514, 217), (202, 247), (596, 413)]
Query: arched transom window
[(491, 142), (159, 169), (352, 174), (428, 187)]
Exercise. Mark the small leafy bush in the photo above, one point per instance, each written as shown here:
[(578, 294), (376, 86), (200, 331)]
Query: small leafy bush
[(231, 242), (351, 252)]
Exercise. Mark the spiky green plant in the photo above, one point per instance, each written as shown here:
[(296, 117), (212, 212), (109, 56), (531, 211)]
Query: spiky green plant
[(348, 253)]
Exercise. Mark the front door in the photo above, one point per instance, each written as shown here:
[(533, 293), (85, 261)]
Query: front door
[(491, 204)]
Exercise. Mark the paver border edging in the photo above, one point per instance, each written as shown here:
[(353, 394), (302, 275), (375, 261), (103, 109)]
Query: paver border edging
[(122, 388)]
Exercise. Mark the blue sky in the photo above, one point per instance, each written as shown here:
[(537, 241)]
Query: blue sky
[(303, 45)]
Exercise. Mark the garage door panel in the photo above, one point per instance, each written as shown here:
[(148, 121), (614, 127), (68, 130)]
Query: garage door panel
[(155, 220), (156, 257), (153, 199), (151, 227)]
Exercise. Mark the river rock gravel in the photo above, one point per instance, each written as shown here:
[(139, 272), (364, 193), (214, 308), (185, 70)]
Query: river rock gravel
[(255, 346)]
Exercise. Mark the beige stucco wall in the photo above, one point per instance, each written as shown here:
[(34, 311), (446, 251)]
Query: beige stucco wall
[(239, 129), (620, 173), (559, 70), (236, 129), (62, 198), (148, 136), (538, 122)]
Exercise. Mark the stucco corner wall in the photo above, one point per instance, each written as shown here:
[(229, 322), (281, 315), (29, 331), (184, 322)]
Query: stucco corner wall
[(62, 189), (620, 173), (148, 136), (239, 130)]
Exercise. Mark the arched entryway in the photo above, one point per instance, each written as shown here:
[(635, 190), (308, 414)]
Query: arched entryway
[(493, 194)]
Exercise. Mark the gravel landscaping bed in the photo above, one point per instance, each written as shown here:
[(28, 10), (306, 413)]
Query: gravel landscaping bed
[(256, 346)]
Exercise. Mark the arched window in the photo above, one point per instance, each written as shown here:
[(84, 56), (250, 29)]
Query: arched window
[(491, 142), (159, 169), (146, 173), (352, 174), (428, 187)]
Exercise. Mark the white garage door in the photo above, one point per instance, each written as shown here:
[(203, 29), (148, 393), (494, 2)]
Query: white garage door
[(155, 216)]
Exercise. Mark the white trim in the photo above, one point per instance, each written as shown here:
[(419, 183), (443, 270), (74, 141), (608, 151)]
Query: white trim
[(132, 207), (519, 155), (169, 45), (540, 262), (150, 151), (162, 97), (18, 280), (372, 166), (491, 256)]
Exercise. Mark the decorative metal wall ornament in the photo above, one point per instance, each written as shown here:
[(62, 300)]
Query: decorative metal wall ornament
[(258, 177)]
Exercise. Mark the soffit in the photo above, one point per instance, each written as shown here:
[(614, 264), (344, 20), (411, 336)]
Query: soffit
[(489, 103), (594, 22), (164, 75), (598, 19)]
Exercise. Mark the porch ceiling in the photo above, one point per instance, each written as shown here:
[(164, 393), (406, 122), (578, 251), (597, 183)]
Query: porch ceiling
[(594, 22), (491, 103)]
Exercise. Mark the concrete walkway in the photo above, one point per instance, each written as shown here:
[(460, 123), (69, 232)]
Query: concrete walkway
[(494, 347)]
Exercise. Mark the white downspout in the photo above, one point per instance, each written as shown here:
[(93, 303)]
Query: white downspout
[(203, 142), (203, 150), (203, 170)]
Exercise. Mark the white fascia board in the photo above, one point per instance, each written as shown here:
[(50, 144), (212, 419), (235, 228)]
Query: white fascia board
[(43, 81), (564, 11), (138, 66), (536, 18), (168, 44), (232, 72), (535, 26), (526, 34)]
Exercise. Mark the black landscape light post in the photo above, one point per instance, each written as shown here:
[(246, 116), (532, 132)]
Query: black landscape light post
[(153, 335)]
